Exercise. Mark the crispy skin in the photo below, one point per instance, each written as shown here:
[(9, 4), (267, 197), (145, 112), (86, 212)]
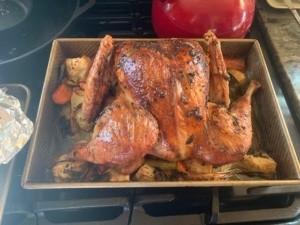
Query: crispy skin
[(129, 167), (229, 132), (99, 79), (123, 133), (219, 79), (170, 79), (163, 150), (163, 110)]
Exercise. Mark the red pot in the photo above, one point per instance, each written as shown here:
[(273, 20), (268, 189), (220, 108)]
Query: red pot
[(192, 18)]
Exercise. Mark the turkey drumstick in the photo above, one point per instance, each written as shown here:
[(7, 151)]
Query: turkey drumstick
[(229, 132)]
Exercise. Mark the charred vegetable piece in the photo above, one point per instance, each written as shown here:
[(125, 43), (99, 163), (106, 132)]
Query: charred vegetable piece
[(76, 98), (77, 69), (115, 176), (81, 122), (194, 166), (65, 112), (69, 170), (264, 166), (237, 83), (149, 173), (238, 75), (161, 164)]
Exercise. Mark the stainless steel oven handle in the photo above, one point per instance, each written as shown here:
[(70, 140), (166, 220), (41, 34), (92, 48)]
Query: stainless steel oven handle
[(272, 190), (140, 216), (43, 208), (217, 216), (80, 203), (289, 213)]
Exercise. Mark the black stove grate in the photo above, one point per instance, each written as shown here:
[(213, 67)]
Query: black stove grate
[(190, 206), (130, 19)]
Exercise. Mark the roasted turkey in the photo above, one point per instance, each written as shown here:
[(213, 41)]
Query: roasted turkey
[(172, 102), (123, 133)]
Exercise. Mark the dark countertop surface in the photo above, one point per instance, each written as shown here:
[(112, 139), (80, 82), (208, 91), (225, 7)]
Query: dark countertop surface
[(282, 35)]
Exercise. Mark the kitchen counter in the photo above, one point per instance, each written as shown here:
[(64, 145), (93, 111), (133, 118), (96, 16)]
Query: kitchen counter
[(282, 36)]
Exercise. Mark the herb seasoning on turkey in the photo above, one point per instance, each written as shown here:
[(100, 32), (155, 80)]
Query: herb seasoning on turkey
[(171, 104)]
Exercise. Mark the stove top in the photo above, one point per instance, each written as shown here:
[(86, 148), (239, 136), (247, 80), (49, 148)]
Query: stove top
[(191, 206)]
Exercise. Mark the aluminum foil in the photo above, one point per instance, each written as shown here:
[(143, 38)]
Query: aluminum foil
[(15, 127)]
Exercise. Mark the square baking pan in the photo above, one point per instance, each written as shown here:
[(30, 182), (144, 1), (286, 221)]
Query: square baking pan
[(272, 132)]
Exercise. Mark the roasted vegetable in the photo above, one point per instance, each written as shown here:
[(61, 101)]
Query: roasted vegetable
[(258, 167), (81, 122), (149, 173), (235, 63), (62, 94), (261, 166), (238, 75), (115, 176), (161, 164), (76, 98), (68, 170), (193, 166), (65, 112), (77, 69)]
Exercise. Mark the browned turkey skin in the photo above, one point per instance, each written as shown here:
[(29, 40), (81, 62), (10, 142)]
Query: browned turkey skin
[(162, 108), (123, 134), (228, 135), (98, 80), (170, 79), (219, 79)]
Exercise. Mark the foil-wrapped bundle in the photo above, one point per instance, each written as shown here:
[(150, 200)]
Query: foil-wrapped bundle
[(15, 127)]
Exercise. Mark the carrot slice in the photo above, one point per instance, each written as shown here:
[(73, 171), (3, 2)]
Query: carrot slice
[(62, 94), (237, 64)]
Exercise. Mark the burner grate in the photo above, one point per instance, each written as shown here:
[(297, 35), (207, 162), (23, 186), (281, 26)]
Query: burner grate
[(130, 19), (108, 211), (191, 206)]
